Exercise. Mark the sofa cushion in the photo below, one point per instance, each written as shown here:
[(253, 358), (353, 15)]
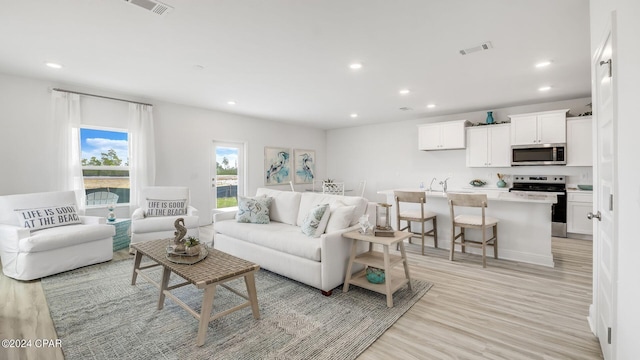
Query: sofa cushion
[(48, 217), (277, 236), (316, 221), (253, 210), (340, 218), (309, 200), (162, 207), (63, 236), (285, 205)]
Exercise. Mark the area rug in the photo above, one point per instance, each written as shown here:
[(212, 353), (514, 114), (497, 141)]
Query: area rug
[(99, 315)]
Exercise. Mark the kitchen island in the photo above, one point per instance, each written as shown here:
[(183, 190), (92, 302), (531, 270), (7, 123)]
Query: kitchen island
[(524, 230)]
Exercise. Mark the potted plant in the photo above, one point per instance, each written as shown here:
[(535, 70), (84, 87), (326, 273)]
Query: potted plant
[(192, 246)]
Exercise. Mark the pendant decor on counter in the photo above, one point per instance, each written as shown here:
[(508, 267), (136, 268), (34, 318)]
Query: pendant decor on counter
[(490, 117)]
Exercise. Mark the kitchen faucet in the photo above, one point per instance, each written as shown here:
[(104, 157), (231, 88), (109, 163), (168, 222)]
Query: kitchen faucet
[(444, 185), (431, 184)]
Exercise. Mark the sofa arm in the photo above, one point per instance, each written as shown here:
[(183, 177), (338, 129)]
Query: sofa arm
[(191, 211), (224, 215), (137, 214), (334, 255), (93, 219), (10, 236)]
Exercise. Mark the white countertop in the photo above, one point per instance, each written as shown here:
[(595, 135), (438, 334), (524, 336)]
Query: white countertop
[(493, 194)]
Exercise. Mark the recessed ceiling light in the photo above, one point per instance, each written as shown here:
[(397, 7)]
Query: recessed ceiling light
[(355, 66), (404, 91), (53, 65), (354, 115), (544, 88), (543, 64), (431, 106), (231, 102)]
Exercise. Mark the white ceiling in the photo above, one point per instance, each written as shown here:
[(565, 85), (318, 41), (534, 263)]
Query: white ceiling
[(288, 60)]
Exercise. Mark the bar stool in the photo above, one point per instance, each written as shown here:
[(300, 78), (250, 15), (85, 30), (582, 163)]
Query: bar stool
[(422, 215), (474, 222)]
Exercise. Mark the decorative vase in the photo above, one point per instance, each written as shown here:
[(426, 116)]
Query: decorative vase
[(375, 275), (490, 117), (501, 183)]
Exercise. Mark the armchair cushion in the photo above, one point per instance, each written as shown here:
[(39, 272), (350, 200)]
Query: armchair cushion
[(63, 236), (48, 217)]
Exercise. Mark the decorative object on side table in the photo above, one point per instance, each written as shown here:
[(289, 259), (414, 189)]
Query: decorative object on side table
[(477, 182), (490, 117), (501, 183), (112, 216), (383, 224), (365, 225), (375, 275)]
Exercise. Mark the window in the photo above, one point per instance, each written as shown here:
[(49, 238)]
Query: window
[(105, 165)]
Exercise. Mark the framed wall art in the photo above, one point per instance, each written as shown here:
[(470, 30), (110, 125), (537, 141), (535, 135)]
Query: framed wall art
[(277, 165), (304, 165)]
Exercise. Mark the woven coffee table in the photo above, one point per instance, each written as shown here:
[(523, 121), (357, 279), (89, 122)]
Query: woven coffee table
[(216, 269)]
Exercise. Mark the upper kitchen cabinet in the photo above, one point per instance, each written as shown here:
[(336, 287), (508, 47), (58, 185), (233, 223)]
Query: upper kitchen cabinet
[(488, 146), (547, 127), (442, 135), (579, 141)]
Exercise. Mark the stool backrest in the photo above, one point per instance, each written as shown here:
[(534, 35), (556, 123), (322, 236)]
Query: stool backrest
[(418, 197), (468, 200)]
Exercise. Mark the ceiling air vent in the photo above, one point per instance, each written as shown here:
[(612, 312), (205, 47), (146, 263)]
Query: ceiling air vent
[(155, 7), (405, 108), (484, 46)]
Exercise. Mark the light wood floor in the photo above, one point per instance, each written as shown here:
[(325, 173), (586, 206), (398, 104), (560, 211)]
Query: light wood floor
[(509, 310)]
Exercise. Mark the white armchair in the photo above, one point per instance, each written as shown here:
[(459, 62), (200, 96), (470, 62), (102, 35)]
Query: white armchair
[(41, 234), (160, 207)]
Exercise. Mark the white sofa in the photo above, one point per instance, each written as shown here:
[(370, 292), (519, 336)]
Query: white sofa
[(67, 242), (281, 247), (145, 227)]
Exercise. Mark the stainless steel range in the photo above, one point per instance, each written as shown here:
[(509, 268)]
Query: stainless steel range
[(547, 184)]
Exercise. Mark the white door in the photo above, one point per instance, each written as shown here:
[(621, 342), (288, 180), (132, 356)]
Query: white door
[(227, 174), (604, 216)]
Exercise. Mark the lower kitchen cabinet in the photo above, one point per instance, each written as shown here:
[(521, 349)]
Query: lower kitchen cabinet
[(579, 204)]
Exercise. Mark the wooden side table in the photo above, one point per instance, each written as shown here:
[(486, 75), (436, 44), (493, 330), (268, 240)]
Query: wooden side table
[(122, 239), (381, 260)]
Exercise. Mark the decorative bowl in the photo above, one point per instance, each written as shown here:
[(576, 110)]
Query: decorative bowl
[(375, 275), (585, 187), (477, 182)]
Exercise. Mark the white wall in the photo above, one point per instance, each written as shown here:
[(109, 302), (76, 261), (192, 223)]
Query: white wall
[(184, 140), (387, 155), (626, 67)]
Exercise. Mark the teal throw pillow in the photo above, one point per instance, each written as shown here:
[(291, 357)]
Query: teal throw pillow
[(253, 210), (316, 221)]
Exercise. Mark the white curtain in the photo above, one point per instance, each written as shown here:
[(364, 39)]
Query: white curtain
[(66, 122), (142, 160)]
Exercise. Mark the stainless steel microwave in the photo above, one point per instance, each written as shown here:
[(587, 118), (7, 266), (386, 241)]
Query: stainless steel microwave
[(544, 154)]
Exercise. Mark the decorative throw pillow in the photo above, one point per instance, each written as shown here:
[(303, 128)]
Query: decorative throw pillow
[(48, 217), (253, 210), (340, 218), (316, 221), (174, 207)]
